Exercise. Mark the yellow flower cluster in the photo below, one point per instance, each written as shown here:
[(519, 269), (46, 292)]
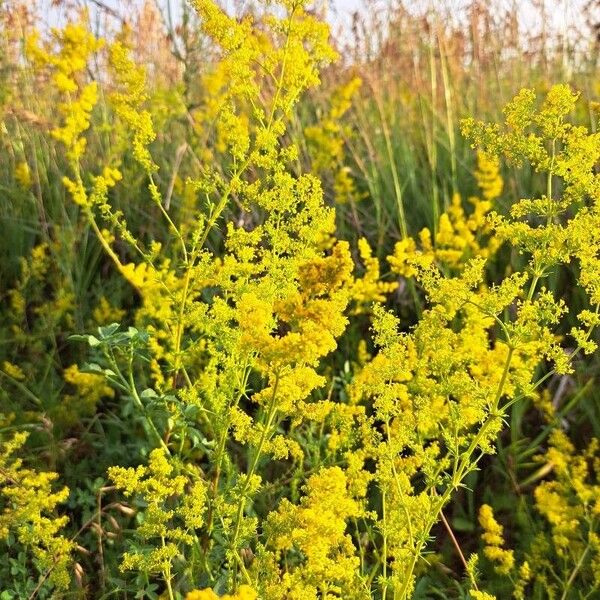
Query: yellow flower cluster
[(288, 50), (493, 537), (175, 507), (439, 393), (42, 301), (128, 100), (244, 592), (436, 393), (543, 227), (488, 178), (570, 502), (76, 45), (459, 237), (327, 141), (23, 175), (29, 507), (369, 288), (552, 231), (90, 389), (277, 299), (312, 537), (13, 371), (105, 313)]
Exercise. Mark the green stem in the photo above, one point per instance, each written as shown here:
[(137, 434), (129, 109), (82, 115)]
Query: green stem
[(23, 388), (272, 411), (384, 548), (129, 385), (167, 574), (574, 572), (464, 464)]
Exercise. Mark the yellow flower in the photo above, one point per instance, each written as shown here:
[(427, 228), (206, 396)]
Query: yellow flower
[(23, 175), (105, 313), (128, 102), (165, 523), (479, 595), (488, 176), (315, 528), (29, 513), (460, 236), (13, 371), (494, 540), (369, 288), (244, 592)]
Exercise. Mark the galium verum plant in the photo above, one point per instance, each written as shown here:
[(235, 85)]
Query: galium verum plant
[(440, 393), (260, 474), (233, 340)]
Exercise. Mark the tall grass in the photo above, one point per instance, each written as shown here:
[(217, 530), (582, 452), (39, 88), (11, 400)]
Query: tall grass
[(425, 67)]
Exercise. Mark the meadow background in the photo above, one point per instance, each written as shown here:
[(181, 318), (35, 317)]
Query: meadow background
[(383, 132)]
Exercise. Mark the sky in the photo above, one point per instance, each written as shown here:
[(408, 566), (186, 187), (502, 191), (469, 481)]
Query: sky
[(561, 13)]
